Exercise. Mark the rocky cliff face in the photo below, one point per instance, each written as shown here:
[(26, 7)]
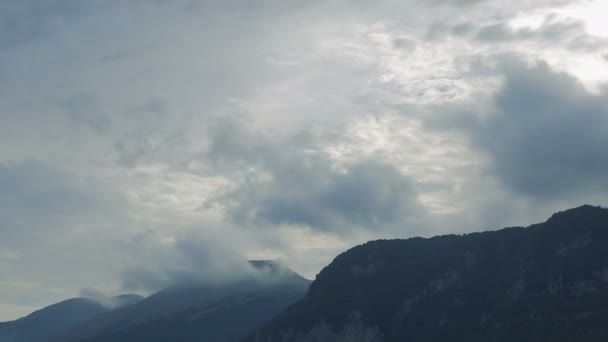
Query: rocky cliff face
[(546, 282)]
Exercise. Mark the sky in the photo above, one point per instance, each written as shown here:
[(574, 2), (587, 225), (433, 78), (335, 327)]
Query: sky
[(147, 141)]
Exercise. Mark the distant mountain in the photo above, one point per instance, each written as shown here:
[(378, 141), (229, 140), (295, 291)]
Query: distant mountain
[(199, 312), (547, 282), (57, 318)]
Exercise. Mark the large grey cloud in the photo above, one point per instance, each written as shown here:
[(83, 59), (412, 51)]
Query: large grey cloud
[(547, 133), (571, 33), (554, 31), (369, 194), (296, 182)]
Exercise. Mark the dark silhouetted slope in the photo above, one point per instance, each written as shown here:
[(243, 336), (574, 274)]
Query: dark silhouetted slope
[(57, 318), (200, 312), (547, 282)]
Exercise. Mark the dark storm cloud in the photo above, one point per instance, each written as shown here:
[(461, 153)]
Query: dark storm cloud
[(302, 185), (547, 136), (368, 194)]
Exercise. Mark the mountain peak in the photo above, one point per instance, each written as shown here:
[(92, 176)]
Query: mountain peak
[(199, 311), (272, 270), (266, 264), (584, 211), (59, 317), (545, 282)]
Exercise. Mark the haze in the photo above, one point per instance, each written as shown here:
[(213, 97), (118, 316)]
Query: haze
[(147, 141)]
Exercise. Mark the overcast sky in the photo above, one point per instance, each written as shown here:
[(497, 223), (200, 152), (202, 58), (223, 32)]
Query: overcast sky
[(146, 140)]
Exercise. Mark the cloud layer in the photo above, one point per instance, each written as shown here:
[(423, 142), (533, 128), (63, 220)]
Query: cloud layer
[(149, 143)]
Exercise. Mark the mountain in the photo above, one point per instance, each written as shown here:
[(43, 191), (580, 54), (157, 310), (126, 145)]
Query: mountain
[(223, 312), (546, 282), (57, 318)]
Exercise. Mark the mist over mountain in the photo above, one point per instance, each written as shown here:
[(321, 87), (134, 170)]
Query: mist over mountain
[(197, 311), (546, 282), (148, 144), (53, 320)]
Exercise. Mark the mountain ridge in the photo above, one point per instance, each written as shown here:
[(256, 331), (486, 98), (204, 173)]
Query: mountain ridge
[(56, 318), (217, 312), (545, 280)]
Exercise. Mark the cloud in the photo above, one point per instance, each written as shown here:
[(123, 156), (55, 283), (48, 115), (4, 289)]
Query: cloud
[(570, 32), (35, 194), (86, 109), (546, 134), (293, 181), (539, 28), (47, 217), (27, 20), (551, 29), (368, 194), (194, 258), (192, 261), (149, 143)]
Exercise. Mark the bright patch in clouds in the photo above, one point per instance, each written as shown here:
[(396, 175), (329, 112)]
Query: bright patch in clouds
[(595, 16)]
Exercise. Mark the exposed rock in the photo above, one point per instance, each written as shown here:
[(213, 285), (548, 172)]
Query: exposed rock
[(580, 241)]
